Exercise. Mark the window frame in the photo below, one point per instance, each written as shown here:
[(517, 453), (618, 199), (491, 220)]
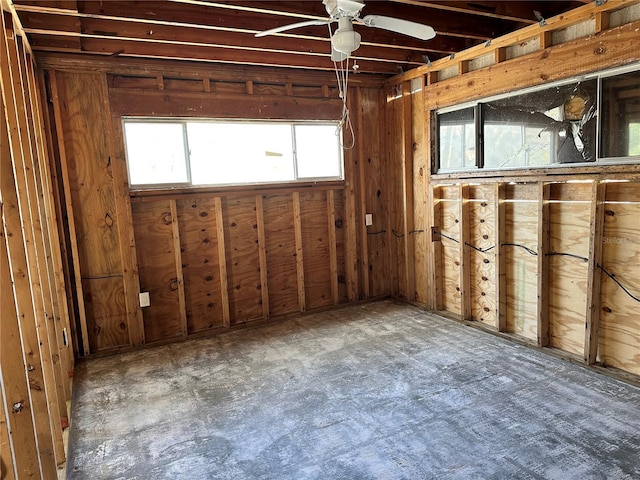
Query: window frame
[(189, 185), (477, 105)]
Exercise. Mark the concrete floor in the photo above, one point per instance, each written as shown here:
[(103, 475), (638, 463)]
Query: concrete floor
[(378, 391)]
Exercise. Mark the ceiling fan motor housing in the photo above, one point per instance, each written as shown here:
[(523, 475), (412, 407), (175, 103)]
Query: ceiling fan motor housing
[(345, 39)]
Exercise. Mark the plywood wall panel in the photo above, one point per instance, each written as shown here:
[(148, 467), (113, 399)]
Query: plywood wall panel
[(200, 265), (619, 326), (104, 302), (89, 170), (450, 229), (421, 160), (521, 227), (157, 269), (482, 236), (569, 234), (243, 259), (281, 253), (339, 204), (315, 245)]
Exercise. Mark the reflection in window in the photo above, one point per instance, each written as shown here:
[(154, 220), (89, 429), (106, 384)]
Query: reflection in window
[(457, 139), (555, 125), (620, 124)]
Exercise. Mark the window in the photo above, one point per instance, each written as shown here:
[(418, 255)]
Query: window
[(620, 123), (209, 152), (546, 126), (457, 139)]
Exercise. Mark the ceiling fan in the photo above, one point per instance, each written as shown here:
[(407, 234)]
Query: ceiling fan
[(345, 40)]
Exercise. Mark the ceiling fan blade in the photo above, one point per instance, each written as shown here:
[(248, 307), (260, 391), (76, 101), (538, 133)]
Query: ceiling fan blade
[(337, 56), (413, 29), (284, 28)]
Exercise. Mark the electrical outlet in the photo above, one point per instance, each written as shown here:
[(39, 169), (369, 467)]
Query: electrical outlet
[(368, 219), (145, 300)]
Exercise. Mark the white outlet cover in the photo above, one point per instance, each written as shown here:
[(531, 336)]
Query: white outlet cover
[(368, 219), (145, 300)]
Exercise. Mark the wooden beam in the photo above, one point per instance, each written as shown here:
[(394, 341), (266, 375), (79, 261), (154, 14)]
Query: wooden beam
[(13, 95), (40, 232), (262, 252), (544, 192), (297, 228), (594, 274), (177, 254), (362, 196), (86, 349), (407, 192), (15, 382), (500, 228), (465, 251), (333, 253), (222, 262)]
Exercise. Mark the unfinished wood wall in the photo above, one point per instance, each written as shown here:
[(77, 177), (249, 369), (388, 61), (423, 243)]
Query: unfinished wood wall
[(36, 361), (549, 255), (210, 258)]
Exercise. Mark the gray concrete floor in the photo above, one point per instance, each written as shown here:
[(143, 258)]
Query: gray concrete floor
[(377, 391)]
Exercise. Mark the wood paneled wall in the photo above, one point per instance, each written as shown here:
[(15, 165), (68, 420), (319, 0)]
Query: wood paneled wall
[(550, 256), (211, 258), (36, 361)]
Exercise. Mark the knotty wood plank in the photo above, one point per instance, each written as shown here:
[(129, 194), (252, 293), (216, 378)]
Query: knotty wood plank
[(281, 253), (297, 228), (243, 258), (333, 254), (262, 252), (175, 234), (465, 252), (222, 262), (362, 195), (499, 232), (482, 224), (543, 264), (200, 263), (594, 275), (407, 192), (153, 227), (315, 247)]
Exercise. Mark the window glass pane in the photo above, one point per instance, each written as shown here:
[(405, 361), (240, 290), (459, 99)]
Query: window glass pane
[(555, 125), (620, 123), (155, 153), (457, 139), (227, 153), (318, 151)]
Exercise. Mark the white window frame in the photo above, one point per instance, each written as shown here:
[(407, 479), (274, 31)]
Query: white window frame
[(189, 184)]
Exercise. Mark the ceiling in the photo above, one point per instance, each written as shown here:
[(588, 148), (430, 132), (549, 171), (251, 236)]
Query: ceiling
[(224, 31)]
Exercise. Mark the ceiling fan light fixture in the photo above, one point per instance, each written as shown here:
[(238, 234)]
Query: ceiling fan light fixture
[(345, 39)]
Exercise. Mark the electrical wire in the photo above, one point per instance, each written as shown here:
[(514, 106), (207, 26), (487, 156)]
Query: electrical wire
[(342, 76), (377, 233), (400, 235), (527, 249)]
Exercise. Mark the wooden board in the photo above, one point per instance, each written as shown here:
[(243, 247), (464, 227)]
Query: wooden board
[(200, 266), (104, 303), (521, 221), (157, 269), (619, 326), (482, 236), (243, 258), (421, 227), (315, 246), (569, 232), (450, 226), (281, 254), (338, 201)]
